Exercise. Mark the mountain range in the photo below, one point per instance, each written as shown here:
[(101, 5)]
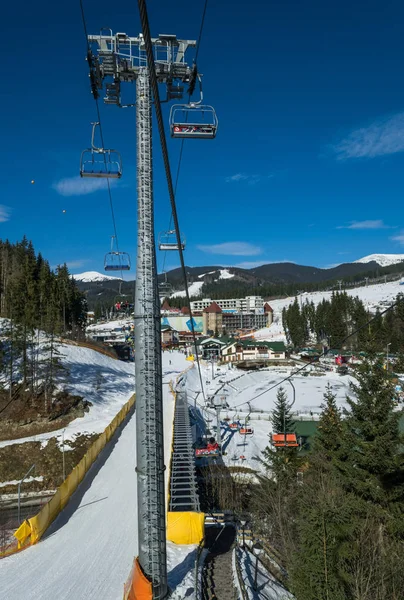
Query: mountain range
[(269, 280)]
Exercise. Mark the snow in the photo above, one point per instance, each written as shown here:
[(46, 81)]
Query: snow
[(117, 325), (17, 481), (384, 260), (194, 290), (376, 296), (267, 586), (90, 276), (88, 551), (225, 274), (104, 381), (242, 387)]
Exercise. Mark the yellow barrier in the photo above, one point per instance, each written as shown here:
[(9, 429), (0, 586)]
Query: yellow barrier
[(35, 527), (185, 527)]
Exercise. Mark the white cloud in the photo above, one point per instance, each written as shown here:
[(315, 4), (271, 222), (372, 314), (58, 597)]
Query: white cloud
[(232, 248), (73, 264), (77, 186), (251, 264), (398, 238), (384, 136), (5, 212), (77, 264), (376, 224), (250, 179)]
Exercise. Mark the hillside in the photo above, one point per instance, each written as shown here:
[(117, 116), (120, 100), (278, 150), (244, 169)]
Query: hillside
[(270, 280)]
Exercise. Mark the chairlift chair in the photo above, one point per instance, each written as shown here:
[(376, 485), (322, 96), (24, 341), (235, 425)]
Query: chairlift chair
[(115, 260), (100, 162), (193, 121), (234, 426), (282, 440), (168, 241), (165, 287), (246, 431)]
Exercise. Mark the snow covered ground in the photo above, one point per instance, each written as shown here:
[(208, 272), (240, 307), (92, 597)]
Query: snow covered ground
[(267, 587), (88, 551), (244, 387), (194, 289), (104, 381), (373, 296)]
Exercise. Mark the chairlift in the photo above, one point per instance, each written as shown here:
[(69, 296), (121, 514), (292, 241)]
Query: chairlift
[(212, 450), (282, 440), (100, 162), (115, 260), (234, 426), (205, 453), (168, 241), (193, 120), (165, 287), (246, 430)]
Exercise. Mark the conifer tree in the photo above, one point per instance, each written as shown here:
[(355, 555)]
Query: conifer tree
[(281, 417), (321, 515)]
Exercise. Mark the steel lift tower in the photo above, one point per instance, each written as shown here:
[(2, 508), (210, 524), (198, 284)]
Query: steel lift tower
[(115, 59)]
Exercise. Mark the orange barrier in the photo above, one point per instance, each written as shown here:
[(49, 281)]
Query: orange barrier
[(137, 587), (31, 531)]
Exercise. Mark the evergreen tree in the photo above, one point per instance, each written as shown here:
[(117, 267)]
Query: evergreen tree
[(328, 439), (281, 417), (282, 462), (322, 517)]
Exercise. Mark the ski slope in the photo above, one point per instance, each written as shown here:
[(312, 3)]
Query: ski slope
[(105, 382), (374, 297), (88, 551)]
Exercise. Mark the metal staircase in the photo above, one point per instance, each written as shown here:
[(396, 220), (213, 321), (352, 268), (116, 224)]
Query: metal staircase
[(183, 487)]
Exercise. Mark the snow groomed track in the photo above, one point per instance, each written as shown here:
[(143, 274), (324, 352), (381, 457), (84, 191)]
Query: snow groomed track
[(87, 553)]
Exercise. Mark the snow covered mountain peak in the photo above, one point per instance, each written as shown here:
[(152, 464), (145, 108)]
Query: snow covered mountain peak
[(384, 260), (90, 276)]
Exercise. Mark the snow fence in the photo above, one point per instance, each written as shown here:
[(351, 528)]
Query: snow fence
[(31, 530)]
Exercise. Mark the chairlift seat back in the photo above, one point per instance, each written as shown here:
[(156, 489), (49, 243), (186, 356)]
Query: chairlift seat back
[(279, 441), (107, 164), (199, 121)]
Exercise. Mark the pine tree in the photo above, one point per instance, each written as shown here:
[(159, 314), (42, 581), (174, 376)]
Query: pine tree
[(370, 464), (322, 516), (281, 417), (282, 462), (328, 439)]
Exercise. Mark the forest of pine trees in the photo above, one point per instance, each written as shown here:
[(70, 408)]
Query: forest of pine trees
[(332, 321), (34, 298), (335, 516)]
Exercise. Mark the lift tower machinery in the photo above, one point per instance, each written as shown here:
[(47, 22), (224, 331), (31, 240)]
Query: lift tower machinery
[(115, 59)]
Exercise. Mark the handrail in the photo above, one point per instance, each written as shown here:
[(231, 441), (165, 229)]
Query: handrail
[(242, 586)]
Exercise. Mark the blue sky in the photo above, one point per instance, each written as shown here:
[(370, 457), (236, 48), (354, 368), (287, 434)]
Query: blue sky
[(308, 162)]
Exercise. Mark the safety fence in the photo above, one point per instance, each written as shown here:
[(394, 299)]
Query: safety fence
[(92, 346), (31, 530)]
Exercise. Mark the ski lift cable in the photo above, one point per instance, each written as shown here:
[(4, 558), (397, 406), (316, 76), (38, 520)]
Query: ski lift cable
[(160, 122), (198, 44), (313, 360), (111, 204)]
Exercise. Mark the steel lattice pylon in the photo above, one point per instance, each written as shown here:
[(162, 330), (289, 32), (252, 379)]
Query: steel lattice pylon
[(121, 58), (149, 404)]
